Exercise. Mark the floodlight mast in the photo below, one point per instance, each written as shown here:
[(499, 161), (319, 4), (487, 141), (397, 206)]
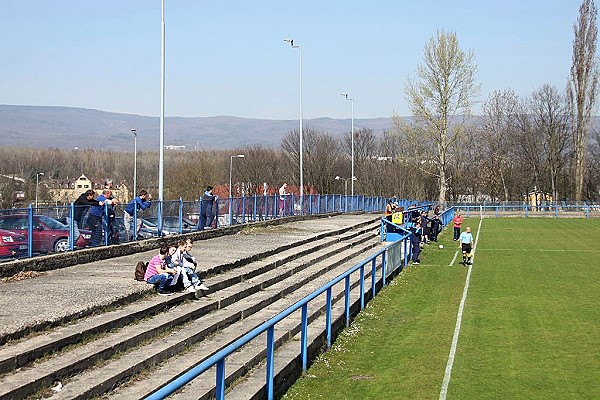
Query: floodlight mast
[(296, 46)]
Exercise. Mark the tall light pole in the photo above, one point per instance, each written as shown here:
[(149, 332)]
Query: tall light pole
[(37, 182), (231, 169), (134, 162), (296, 46), (162, 110), (352, 142)]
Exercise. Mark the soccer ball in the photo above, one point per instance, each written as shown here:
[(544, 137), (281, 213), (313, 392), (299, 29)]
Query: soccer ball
[(441, 246)]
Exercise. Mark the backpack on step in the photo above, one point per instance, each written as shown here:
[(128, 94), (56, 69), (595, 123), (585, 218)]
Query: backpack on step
[(140, 270)]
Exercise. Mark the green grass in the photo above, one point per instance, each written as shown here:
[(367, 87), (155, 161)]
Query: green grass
[(530, 326)]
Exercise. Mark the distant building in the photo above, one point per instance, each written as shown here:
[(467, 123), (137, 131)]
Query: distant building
[(174, 147), (67, 191), (537, 197)]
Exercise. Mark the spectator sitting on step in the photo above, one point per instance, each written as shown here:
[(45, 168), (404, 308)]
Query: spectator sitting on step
[(190, 262), (190, 280), (159, 274)]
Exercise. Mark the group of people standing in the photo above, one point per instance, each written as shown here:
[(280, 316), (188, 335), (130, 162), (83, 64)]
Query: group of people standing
[(100, 211), (424, 229)]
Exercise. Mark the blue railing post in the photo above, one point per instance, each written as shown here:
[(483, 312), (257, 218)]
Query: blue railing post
[(555, 210), (526, 210), (373, 277), (347, 299), (220, 380), (587, 211), (159, 214), (243, 208), (72, 223), (134, 233), (254, 210), (496, 211), (30, 231), (362, 287), (383, 267), (304, 338), (318, 204), (180, 215), (328, 317), (105, 224), (230, 211), (270, 361)]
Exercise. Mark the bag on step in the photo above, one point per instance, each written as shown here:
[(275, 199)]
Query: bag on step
[(140, 270)]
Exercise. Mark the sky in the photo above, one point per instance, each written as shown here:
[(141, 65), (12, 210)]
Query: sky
[(229, 58)]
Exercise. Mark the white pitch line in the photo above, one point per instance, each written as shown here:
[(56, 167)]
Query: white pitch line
[(453, 259), (448, 372)]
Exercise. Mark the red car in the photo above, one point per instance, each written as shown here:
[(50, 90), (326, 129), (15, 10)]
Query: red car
[(49, 235), (12, 245)]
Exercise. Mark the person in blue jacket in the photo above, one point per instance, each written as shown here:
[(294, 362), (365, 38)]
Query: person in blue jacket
[(207, 212), (141, 202)]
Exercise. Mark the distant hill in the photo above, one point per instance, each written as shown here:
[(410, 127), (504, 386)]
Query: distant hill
[(69, 127)]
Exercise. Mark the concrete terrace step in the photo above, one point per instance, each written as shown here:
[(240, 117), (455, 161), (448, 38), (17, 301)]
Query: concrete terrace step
[(23, 352), (95, 382), (61, 366), (249, 356)]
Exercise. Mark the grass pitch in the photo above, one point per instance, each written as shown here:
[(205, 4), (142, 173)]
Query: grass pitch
[(530, 328)]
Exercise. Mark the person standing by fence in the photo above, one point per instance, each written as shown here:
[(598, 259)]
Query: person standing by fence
[(207, 209), (141, 202), (457, 223), (282, 197)]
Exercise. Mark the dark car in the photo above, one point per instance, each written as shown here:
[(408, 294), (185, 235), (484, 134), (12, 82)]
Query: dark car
[(49, 235), (12, 245), (170, 225)]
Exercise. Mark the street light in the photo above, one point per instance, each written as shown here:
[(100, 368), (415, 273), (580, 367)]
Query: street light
[(352, 141), (134, 162), (37, 182), (337, 178), (231, 168), (296, 46)]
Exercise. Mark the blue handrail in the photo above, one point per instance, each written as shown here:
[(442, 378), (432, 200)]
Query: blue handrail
[(219, 357)]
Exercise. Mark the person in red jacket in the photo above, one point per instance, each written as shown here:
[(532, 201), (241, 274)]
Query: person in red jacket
[(457, 223)]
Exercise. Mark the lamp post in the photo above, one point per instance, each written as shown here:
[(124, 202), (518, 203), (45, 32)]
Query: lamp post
[(352, 142), (134, 161), (296, 46), (37, 182), (337, 178), (231, 169)]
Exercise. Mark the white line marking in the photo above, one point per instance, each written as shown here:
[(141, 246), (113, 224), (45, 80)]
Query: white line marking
[(450, 363), (454, 259)]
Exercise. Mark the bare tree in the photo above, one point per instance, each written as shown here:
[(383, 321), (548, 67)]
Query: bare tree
[(440, 101), (549, 115), (497, 128), (582, 86)]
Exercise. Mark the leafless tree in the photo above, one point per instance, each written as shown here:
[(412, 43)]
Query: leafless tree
[(496, 136), (582, 86), (550, 118), (439, 102)]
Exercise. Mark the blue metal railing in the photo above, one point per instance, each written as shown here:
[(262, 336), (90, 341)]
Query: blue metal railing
[(231, 211), (389, 264)]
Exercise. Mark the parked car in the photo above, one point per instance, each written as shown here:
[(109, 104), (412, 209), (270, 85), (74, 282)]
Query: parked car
[(170, 225), (12, 245), (49, 235)]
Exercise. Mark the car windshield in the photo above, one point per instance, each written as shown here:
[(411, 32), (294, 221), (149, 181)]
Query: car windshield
[(52, 223)]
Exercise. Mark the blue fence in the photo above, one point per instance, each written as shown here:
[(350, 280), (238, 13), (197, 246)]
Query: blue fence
[(391, 261), (556, 210), (43, 230)]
